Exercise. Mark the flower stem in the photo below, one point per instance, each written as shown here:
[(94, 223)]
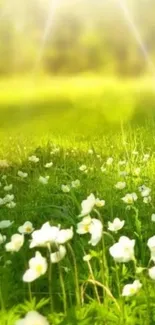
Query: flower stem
[(30, 291), (50, 280), (63, 288), (77, 289)]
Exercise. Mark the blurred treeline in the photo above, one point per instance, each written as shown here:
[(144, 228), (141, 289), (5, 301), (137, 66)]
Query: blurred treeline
[(77, 36)]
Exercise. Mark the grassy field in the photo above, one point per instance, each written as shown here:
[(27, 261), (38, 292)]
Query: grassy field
[(74, 127)]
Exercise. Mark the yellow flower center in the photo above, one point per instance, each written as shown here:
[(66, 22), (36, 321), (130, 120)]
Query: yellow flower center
[(39, 268)]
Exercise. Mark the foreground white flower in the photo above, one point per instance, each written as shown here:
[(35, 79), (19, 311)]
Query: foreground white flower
[(123, 250), (64, 235), (26, 228), (49, 235), (5, 224), (59, 255), (75, 183), (48, 165), (130, 198), (116, 225), (92, 226), (88, 204), (120, 185), (32, 318), (15, 243), (22, 174), (131, 289), (152, 273), (8, 188), (33, 159), (37, 267), (65, 188), (45, 236)]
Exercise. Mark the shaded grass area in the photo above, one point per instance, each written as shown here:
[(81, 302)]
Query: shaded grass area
[(79, 105)]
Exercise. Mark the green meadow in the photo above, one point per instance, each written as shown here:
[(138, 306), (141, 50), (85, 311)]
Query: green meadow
[(100, 133)]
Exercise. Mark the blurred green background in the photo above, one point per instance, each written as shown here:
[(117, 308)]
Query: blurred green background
[(72, 66)]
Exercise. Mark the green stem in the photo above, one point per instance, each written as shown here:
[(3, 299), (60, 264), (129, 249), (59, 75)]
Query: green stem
[(50, 281), (93, 278), (30, 291), (77, 289), (63, 288)]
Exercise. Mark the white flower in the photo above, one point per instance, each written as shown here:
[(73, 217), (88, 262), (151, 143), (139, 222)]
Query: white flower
[(123, 173), (135, 153), (83, 168), (130, 198), (75, 183), (99, 203), (152, 273), (122, 162), (2, 239), (92, 226), (33, 318), (26, 228), (33, 159), (5, 224), (153, 217), (136, 171), (145, 191), (15, 244), (90, 151), (103, 169), (55, 150), (59, 255), (4, 163), (8, 198), (37, 267), (4, 177), (8, 188), (131, 289), (64, 235), (123, 250), (11, 205), (151, 245), (109, 161), (120, 185), (22, 174), (44, 236), (147, 199), (44, 180), (116, 225), (48, 165), (146, 157), (88, 204), (87, 258), (65, 188)]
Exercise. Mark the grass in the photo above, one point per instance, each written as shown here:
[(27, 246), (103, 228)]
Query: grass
[(33, 121)]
